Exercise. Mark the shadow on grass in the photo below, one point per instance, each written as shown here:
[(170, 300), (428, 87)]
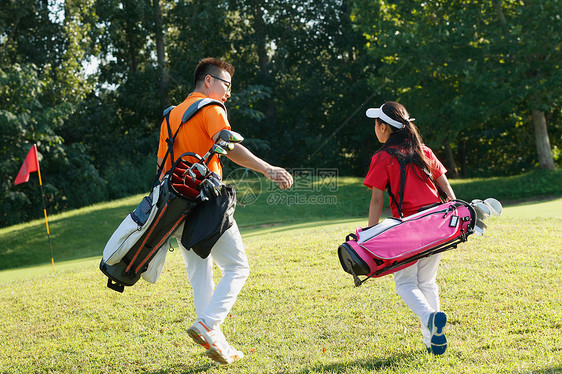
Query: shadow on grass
[(72, 238), (373, 364), (184, 369), (531, 200), (553, 370)]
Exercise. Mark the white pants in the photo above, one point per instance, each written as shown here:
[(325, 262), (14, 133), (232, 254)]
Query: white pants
[(417, 287), (213, 304)]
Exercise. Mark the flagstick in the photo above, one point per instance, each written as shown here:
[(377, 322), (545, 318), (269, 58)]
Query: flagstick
[(46, 220)]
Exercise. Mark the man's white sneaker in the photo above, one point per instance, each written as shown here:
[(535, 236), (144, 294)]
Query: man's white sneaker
[(223, 353), (202, 334)]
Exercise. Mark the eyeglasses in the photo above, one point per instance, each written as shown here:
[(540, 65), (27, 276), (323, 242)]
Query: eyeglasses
[(228, 84)]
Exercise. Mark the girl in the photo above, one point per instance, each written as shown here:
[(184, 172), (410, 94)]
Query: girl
[(415, 284)]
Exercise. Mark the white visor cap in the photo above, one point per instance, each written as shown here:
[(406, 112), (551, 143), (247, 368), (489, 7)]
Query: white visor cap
[(378, 113)]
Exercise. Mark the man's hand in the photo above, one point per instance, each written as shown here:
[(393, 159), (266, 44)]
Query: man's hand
[(280, 176), (243, 157)]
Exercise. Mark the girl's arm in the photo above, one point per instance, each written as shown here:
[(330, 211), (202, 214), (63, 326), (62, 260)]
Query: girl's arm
[(443, 182), (375, 208)]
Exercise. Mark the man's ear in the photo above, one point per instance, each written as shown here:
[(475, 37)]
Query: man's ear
[(207, 81)]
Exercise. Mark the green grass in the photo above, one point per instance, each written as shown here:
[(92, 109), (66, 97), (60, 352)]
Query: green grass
[(299, 312)]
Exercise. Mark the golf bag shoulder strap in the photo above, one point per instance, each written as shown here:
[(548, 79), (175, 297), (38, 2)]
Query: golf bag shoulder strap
[(187, 115), (403, 160), (196, 106)]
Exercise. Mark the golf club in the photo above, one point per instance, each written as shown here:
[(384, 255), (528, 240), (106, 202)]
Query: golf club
[(210, 187), (226, 145), (479, 227), (211, 184), (200, 168), (203, 196), (495, 206), (191, 174), (482, 210), (226, 139), (215, 149), (230, 136)]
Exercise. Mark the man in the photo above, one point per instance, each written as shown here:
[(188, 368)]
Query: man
[(213, 79)]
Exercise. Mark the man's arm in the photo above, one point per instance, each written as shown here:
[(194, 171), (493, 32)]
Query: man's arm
[(243, 157)]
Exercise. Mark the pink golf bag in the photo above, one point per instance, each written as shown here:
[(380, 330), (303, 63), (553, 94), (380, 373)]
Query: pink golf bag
[(395, 243)]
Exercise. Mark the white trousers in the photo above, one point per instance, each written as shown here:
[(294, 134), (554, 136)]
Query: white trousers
[(417, 287), (213, 304)]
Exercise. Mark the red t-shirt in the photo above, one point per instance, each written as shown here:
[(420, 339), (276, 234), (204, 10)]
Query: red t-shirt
[(417, 192)]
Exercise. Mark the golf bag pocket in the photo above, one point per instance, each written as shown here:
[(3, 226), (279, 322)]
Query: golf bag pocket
[(156, 265), (131, 229), (142, 212), (208, 221)]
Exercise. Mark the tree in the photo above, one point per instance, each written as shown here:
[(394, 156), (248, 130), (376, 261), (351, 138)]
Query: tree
[(461, 62), (27, 118), (161, 53), (416, 66), (308, 57), (528, 57), (42, 47)]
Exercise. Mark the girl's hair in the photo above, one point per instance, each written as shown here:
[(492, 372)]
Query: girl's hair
[(407, 139)]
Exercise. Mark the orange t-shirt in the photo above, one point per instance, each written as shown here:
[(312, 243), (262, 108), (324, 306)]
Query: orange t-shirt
[(196, 135)]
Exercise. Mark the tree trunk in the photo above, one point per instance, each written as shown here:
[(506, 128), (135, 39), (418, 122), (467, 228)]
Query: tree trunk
[(450, 160), (544, 152), (130, 35), (263, 59), (161, 54), (501, 17)]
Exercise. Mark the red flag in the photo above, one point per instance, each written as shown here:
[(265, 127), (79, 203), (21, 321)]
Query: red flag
[(30, 165)]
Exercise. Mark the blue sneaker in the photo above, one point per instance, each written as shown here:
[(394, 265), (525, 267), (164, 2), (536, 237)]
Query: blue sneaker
[(436, 326)]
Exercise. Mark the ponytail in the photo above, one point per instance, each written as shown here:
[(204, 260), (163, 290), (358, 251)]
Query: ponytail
[(407, 139)]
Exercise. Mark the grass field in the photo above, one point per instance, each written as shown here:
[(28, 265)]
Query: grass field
[(299, 312)]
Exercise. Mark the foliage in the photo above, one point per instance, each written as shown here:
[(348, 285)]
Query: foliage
[(307, 55), (468, 66), (40, 56), (87, 80), (28, 118)]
